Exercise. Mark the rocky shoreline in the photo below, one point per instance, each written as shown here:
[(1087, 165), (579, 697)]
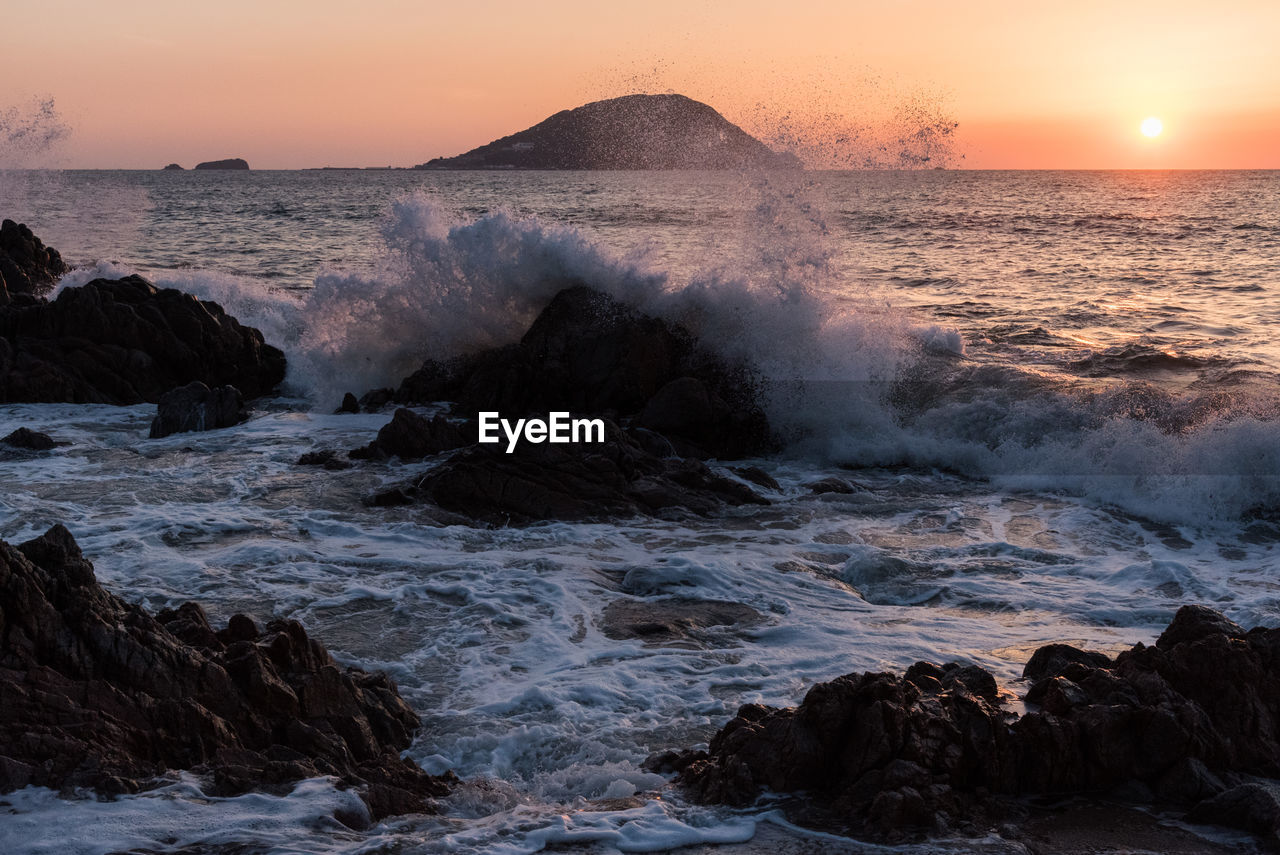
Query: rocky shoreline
[(96, 692)]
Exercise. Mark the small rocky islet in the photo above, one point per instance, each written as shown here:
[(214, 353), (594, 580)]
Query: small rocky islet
[(100, 693)]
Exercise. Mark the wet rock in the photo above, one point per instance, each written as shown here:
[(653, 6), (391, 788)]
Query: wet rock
[(1253, 807), (831, 485), (349, 404), (196, 407), (96, 692), (673, 619), (756, 476), (326, 457), (575, 482), (589, 354), (123, 341), (27, 266), (1168, 723), (410, 436), (30, 440)]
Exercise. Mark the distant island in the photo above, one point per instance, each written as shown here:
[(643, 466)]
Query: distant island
[(631, 132), (173, 166), (229, 163)]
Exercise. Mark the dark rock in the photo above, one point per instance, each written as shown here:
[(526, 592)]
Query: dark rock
[(229, 163), (95, 692), (831, 485), (29, 439), (349, 404), (1254, 807), (588, 354), (173, 167), (196, 407), (631, 132), (756, 476), (326, 457), (27, 266), (675, 619), (588, 481), (410, 436), (1168, 723), (124, 342)]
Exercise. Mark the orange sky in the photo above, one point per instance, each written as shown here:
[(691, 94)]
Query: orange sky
[(290, 84)]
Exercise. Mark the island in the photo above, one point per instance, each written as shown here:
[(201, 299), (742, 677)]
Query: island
[(173, 166), (631, 132), (229, 163)]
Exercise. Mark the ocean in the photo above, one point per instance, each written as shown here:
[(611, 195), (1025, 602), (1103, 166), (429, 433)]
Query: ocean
[(1053, 396)]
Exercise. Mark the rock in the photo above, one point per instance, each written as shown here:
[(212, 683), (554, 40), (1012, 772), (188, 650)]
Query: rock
[(229, 163), (173, 167), (349, 404), (196, 407), (326, 457), (29, 439), (631, 132), (27, 266), (125, 342), (831, 485), (1167, 723), (575, 482), (1254, 807), (95, 692), (590, 355), (675, 619), (756, 476), (409, 436)]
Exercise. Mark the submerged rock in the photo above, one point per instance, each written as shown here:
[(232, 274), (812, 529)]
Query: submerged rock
[(196, 407), (673, 619), (96, 692), (935, 750), (589, 354), (616, 477), (27, 266), (122, 341)]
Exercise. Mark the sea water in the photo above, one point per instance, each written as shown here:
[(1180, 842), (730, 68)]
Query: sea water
[(1053, 395)]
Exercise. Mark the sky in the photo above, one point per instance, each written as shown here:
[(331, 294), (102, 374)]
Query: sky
[(291, 84)]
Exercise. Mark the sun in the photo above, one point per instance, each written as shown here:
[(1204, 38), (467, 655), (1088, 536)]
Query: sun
[(1151, 127)]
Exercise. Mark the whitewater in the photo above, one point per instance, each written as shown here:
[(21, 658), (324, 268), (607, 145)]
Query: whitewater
[(1052, 397)]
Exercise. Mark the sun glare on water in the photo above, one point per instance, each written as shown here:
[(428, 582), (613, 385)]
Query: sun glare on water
[(1151, 127)]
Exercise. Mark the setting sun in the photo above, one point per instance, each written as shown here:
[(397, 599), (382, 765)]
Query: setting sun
[(1151, 127)]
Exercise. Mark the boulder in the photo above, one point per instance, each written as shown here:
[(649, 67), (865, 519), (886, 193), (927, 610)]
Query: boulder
[(27, 266), (196, 407), (537, 482), (591, 355), (96, 692), (935, 749), (29, 440), (122, 341), (410, 436)]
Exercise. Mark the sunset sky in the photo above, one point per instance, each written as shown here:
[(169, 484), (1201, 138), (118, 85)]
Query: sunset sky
[(286, 83)]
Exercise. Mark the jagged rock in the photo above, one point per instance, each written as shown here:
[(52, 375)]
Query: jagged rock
[(96, 692), (589, 354), (616, 477), (27, 266), (631, 132), (350, 404), (410, 436), (196, 407), (30, 440), (125, 342), (229, 163), (887, 753)]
